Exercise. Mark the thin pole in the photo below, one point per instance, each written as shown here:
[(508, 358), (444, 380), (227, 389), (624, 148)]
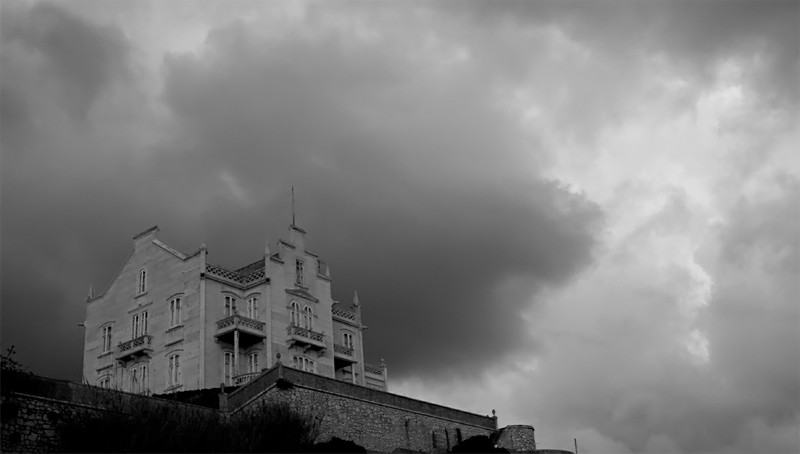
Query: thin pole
[(292, 205), (576, 445)]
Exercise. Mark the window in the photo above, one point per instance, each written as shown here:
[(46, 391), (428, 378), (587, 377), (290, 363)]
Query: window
[(252, 362), (348, 339), (227, 368), (230, 306), (106, 336), (252, 308), (308, 317), (142, 286), (294, 312), (175, 311), (174, 370), (138, 378), (104, 382), (139, 325), (299, 272), (303, 363)]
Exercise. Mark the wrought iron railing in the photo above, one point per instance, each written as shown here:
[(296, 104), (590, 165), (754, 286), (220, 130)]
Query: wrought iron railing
[(293, 330), (373, 369)]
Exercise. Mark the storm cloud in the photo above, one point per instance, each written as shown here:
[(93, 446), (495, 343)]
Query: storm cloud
[(582, 214)]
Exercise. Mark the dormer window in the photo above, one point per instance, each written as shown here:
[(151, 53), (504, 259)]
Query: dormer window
[(142, 285), (299, 272)]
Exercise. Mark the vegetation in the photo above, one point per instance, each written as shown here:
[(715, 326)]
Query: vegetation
[(7, 361), (478, 443), (130, 423)]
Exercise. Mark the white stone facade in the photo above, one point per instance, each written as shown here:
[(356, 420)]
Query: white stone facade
[(174, 322)]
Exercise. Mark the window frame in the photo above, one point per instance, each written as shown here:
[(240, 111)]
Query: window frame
[(174, 374), (228, 368), (104, 382), (308, 318), (348, 340), (141, 282), (175, 308), (252, 362), (106, 337), (299, 271), (139, 324), (252, 307), (295, 317), (229, 306), (138, 378), (304, 364)]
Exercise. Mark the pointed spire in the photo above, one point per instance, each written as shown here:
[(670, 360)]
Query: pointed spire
[(355, 298), (293, 205), (91, 293), (266, 248)]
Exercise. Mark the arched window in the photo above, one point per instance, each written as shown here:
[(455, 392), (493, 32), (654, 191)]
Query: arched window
[(308, 317), (142, 287), (104, 381), (294, 312)]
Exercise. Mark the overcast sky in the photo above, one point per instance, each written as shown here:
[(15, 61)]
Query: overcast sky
[(584, 215)]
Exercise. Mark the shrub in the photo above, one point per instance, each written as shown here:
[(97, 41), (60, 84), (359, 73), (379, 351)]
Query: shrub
[(131, 423), (478, 443), (338, 445)]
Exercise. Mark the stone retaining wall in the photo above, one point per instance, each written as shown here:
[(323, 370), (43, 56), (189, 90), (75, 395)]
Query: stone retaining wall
[(376, 420)]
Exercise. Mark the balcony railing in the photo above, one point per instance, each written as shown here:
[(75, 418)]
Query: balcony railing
[(250, 331), (139, 346), (305, 336), (345, 353), (341, 313), (238, 321), (341, 349), (369, 368), (245, 378)]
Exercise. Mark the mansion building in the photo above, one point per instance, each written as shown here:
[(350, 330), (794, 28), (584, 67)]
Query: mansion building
[(174, 322)]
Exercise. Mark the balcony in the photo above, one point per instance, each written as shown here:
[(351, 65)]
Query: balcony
[(343, 315), (134, 348), (305, 337), (344, 354), (242, 379), (249, 331)]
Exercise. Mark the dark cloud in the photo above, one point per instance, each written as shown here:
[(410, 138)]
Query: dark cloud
[(418, 196), (414, 197), (81, 58)]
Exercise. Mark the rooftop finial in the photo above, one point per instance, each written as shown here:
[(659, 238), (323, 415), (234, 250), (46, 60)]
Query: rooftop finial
[(266, 248), (355, 298), (292, 204), (91, 292)]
